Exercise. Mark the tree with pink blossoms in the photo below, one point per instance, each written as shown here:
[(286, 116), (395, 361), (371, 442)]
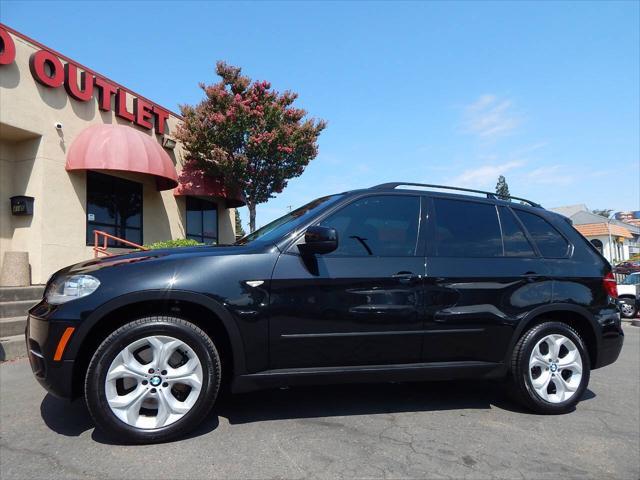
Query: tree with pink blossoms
[(248, 135)]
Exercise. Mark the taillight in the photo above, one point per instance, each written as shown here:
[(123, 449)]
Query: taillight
[(610, 285)]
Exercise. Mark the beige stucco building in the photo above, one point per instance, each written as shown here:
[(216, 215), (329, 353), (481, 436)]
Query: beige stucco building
[(92, 155)]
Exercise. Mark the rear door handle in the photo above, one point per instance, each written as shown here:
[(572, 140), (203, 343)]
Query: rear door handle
[(405, 277)]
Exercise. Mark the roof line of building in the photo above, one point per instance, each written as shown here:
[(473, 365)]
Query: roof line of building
[(597, 229), (86, 69)]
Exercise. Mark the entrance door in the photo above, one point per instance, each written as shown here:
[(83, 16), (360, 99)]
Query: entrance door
[(361, 304)]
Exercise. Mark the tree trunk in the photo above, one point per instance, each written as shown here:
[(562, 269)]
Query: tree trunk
[(252, 217)]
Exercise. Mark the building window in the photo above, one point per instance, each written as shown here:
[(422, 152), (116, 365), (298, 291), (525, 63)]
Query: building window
[(114, 206), (598, 244), (202, 220)]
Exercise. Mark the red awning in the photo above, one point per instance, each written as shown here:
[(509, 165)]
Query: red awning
[(121, 148), (194, 182)]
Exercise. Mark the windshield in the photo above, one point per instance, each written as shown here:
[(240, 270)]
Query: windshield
[(631, 279), (280, 227)]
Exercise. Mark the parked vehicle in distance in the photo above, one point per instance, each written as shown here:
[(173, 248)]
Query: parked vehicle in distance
[(627, 267), (381, 284), (629, 295)]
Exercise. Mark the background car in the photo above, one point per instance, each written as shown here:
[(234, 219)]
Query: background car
[(627, 267), (629, 295)]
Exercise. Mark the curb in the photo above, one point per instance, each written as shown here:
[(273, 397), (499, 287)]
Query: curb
[(12, 347)]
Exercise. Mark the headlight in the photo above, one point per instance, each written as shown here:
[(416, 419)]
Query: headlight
[(65, 289)]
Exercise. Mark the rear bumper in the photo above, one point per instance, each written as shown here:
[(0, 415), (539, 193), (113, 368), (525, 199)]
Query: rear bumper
[(610, 341), (610, 350), (42, 337)]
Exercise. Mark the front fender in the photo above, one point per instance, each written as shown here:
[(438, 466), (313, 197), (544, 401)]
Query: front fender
[(97, 315)]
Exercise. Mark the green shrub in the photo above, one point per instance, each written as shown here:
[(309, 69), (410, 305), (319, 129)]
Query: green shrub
[(180, 242)]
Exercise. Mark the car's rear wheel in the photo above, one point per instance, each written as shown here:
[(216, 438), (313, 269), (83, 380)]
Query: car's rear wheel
[(550, 368), (628, 308), (152, 380)]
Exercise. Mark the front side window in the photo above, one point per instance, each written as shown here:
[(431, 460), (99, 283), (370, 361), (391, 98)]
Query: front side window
[(202, 220), (382, 226), (114, 206), (466, 229), (547, 238)]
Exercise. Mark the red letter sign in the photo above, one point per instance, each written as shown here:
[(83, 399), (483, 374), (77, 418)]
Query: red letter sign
[(71, 83), (121, 105), (105, 90), (143, 113), (7, 48), (161, 117), (37, 64)]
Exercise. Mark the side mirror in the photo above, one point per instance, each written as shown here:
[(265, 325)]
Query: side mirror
[(319, 240)]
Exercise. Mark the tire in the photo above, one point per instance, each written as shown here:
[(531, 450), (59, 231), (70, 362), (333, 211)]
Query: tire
[(138, 402), (628, 308), (530, 368)]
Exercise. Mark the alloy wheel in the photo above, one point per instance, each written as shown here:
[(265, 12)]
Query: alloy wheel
[(153, 382), (555, 368), (627, 309)]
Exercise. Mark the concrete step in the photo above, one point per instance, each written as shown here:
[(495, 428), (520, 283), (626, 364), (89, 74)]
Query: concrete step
[(12, 326), (12, 347), (15, 308), (12, 294)]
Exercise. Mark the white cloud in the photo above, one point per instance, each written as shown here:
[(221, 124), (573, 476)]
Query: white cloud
[(550, 175), (490, 117), (485, 175)]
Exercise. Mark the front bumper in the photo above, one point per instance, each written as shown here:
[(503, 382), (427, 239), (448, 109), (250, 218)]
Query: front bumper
[(42, 337)]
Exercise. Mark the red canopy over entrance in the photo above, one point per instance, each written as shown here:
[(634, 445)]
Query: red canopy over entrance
[(194, 182), (121, 148)]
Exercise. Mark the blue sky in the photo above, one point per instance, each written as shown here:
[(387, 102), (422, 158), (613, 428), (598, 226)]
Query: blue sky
[(546, 93)]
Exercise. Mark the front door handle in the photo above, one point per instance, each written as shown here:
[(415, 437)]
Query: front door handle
[(405, 277), (531, 275)]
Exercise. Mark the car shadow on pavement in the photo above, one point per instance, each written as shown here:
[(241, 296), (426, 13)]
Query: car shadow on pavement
[(368, 399), (72, 418)]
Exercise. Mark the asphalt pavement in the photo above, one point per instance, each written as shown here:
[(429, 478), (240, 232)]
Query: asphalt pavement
[(428, 430)]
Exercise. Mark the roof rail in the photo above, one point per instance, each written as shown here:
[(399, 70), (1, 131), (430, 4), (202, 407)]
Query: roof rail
[(490, 195)]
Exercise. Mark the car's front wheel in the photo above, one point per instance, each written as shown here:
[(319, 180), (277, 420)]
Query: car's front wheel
[(550, 368), (152, 380)]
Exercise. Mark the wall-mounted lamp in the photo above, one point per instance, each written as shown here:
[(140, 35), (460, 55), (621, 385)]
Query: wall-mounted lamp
[(168, 142)]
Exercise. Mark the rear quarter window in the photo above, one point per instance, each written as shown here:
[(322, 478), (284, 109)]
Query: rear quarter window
[(549, 241), (515, 241)]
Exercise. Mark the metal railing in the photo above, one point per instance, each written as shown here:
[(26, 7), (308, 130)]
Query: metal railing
[(97, 249)]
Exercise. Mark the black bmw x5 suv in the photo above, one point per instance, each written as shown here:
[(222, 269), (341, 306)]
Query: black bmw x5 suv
[(387, 283)]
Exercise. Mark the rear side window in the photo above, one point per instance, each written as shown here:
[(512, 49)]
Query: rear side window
[(547, 238), (515, 241), (466, 229)]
